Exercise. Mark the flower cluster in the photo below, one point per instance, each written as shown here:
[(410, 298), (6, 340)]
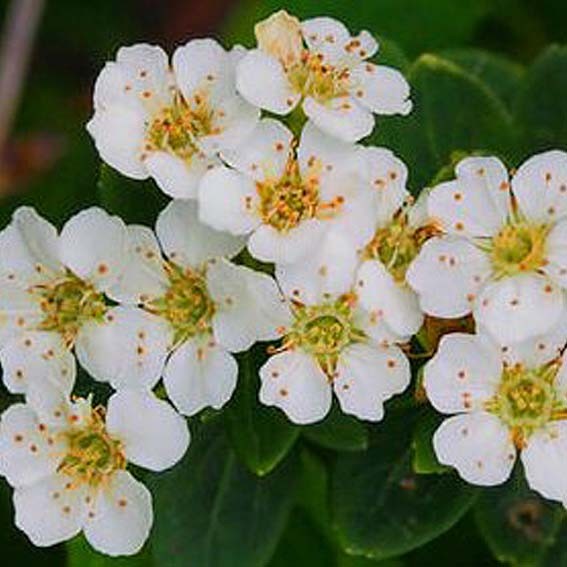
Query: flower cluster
[(352, 265)]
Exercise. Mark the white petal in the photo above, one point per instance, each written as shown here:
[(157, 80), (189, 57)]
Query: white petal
[(35, 357), (48, 512), (544, 461), (464, 373), (154, 435), (519, 307), (143, 277), (123, 517), (249, 306), (264, 153), (477, 202), (189, 242), (326, 36), (198, 375), (556, 248), (368, 376), (119, 133), (94, 245), (294, 382), (128, 349), (19, 310), (540, 186), (478, 445), (341, 117), (447, 274), (330, 269), (381, 89), (375, 327), (393, 301), (270, 245), (228, 201), (261, 80), (387, 177), (25, 453), (175, 177)]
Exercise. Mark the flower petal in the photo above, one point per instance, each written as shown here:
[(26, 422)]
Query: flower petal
[(478, 445), (464, 373), (326, 36), (367, 376), (154, 435), (187, 241), (556, 248), (228, 201), (381, 89), (199, 375), (341, 117), (293, 382), (447, 274), (519, 307), (122, 517), (94, 245), (261, 80), (50, 511), (19, 310), (128, 349), (477, 202)]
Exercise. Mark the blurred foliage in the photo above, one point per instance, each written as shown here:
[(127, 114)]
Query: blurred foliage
[(487, 76)]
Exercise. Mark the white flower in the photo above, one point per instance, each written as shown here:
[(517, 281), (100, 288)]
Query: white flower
[(67, 463), (331, 344), (507, 401), (504, 256), (169, 124), (195, 308), (288, 198), (319, 64), (51, 286)]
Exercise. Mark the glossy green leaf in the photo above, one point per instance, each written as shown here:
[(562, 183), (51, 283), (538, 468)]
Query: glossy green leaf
[(541, 102), (211, 512), (135, 201), (338, 431), (454, 111), (381, 508), (516, 523), (261, 436), (424, 459)]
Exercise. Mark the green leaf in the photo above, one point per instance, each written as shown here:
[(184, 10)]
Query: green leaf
[(502, 75), (135, 201), (557, 554), (338, 431), (424, 459), (382, 509), (516, 523), (454, 111), (261, 436), (211, 512), (81, 554), (541, 112)]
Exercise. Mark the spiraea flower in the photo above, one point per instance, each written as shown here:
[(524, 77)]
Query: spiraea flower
[(508, 400), (169, 124), (330, 343), (185, 309), (503, 256), (52, 285), (288, 196), (67, 462), (318, 64)]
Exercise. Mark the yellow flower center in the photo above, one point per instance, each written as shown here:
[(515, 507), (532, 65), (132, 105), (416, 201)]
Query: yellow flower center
[(67, 304), (527, 400), (187, 304), (92, 454), (519, 247)]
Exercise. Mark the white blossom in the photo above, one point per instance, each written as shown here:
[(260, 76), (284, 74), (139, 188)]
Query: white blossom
[(51, 287), (67, 462), (151, 120), (317, 64), (503, 255), (185, 309), (507, 400)]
